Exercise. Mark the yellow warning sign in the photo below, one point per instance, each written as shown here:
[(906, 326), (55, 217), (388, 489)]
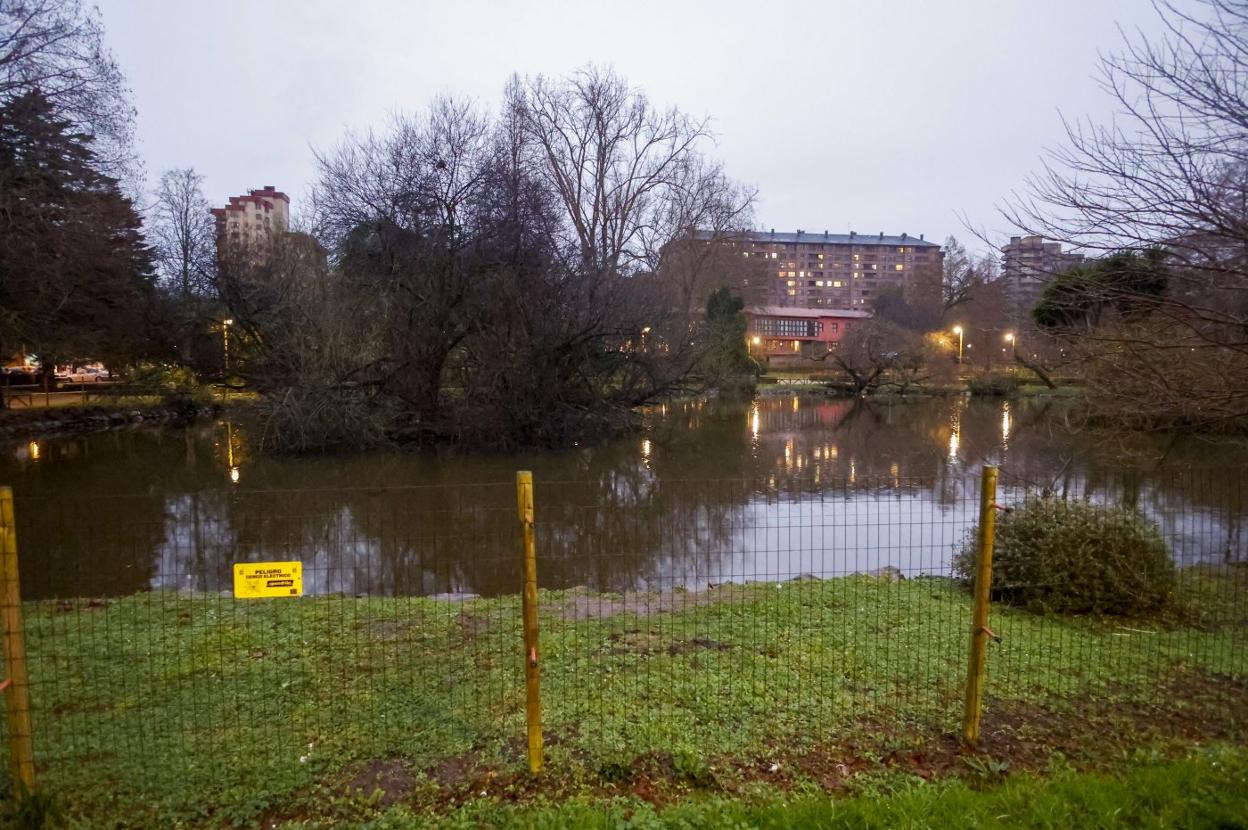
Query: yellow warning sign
[(253, 580)]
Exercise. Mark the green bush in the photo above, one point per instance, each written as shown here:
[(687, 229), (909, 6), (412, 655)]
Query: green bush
[(177, 386), (993, 385), (1072, 557)]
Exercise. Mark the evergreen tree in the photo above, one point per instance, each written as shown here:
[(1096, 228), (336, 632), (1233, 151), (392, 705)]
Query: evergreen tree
[(76, 280), (728, 357)]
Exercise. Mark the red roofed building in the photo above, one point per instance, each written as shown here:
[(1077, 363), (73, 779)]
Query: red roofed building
[(254, 220), (783, 336)]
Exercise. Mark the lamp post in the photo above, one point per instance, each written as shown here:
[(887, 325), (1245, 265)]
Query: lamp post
[(1013, 341), (225, 346), (225, 341), (958, 331)]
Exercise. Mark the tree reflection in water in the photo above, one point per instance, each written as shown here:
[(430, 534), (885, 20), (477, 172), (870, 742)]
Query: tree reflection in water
[(710, 491)]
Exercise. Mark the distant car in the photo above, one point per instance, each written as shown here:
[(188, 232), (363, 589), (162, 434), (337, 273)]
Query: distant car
[(83, 374)]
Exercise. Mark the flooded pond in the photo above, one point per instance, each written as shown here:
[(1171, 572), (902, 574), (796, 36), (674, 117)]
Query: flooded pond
[(708, 492)]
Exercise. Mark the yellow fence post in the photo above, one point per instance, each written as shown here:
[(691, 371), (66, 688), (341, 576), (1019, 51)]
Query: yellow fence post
[(979, 627), (17, 692), (532, 673)]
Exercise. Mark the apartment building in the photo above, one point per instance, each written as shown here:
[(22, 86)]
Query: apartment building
[(832, 270), (253, 221), (1027, 264)]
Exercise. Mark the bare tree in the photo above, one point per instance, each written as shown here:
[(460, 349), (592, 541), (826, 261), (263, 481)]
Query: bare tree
[(1170, 172), (182, 232), (57, 47), (397, 210), (623, 171), (963, 274), (599, 316)]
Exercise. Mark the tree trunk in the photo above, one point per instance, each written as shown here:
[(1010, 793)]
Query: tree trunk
[(1035, 367)]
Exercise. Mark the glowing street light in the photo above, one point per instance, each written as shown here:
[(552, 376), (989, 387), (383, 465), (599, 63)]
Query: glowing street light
[(225, 345), (225, 341), (958, 331)]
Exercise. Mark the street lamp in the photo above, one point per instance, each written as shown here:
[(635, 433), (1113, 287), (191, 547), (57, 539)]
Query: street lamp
[(225, 345), (225, 341), (958, 331)]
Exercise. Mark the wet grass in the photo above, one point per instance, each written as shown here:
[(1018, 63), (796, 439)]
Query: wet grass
[(164, 709)]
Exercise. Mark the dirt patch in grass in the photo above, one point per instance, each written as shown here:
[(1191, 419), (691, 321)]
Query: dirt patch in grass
[(583, 604), (636, 641), (385, 781)]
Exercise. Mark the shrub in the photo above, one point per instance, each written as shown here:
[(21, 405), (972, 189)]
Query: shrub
[(1072, 557), (322, 416), (177, 387), (993, 385)]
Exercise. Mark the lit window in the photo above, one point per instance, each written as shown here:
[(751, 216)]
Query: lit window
[(819, 283), (745, 253), (856, 257), (901, 250), (801, 273), (821, 256), (900, 267), (773, 254), (792, 273), (836, 284), (792, 292), (792, 283)]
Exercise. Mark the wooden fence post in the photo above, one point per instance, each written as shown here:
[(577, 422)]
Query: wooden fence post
[(532, 672), (979, 626), (17, 688)]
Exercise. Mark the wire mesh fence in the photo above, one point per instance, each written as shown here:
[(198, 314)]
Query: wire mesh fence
[(721, 621)]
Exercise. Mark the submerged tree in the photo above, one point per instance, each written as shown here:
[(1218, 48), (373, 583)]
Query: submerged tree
[(523, 278)]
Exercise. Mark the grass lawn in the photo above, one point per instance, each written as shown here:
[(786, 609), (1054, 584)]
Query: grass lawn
[(167, 710)]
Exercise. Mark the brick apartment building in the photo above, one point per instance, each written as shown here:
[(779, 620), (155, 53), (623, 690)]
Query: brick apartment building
[(832, 270)]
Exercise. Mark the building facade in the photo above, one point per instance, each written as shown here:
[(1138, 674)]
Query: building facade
[(1027, 264), (252, 222), (785, 336), (830, 270)]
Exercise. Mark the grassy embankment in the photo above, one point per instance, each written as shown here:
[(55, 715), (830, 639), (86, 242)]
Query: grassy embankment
[(163, 710)]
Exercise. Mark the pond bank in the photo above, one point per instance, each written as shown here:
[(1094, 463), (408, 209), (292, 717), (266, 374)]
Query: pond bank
[(24, 424)]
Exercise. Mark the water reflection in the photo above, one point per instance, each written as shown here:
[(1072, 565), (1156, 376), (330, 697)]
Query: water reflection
[(712, 492)]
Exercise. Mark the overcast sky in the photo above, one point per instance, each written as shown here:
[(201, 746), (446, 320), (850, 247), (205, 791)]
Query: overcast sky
[(872, 116)]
